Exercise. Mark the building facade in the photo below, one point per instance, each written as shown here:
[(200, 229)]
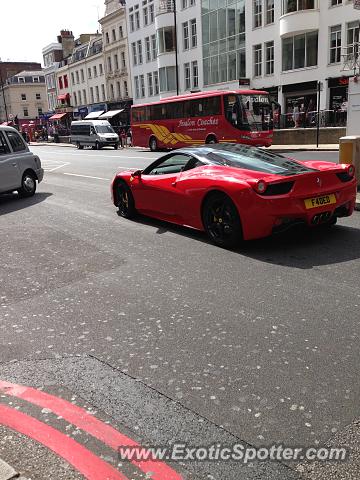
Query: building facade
[(116, 59), (164, 47), (24, 98)]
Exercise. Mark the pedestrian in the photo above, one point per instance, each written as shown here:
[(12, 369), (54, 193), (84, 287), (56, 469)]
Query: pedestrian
[(129, 137), (296, 116), (123, 137)]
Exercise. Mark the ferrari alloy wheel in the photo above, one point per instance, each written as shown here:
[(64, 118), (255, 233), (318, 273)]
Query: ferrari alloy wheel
[(221, 221), (125, 201)]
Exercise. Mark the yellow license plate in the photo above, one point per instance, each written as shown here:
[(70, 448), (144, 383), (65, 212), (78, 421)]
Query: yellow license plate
[(317, 202)]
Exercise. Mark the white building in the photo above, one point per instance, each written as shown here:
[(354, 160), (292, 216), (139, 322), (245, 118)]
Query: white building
[(153, 51), (116, 61)]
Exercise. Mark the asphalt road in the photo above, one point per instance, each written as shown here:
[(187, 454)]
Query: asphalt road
[(260, 344)]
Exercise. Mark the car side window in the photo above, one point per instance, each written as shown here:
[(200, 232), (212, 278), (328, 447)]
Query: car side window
[(193, 163), (16, 142), (4, 148), (174, 163)]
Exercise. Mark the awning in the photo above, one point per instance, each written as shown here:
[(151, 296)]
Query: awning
[(57, 116), (63, 96), (94, 115), (111, 114)]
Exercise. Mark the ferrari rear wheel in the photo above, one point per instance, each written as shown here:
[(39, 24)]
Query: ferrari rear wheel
[(125, 201), (222, 221)]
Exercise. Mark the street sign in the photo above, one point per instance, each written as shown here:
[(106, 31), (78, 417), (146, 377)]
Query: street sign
[(357, 4)]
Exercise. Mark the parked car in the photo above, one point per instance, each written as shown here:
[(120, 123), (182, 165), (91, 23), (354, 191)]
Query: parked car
[(93, 133), (20, 169), (236, 192)]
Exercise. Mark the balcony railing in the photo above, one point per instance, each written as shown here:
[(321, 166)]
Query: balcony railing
[(166, 6), (292, 6)]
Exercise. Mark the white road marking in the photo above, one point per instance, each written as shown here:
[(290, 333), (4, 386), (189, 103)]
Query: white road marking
[(51, 166), (86, 176)]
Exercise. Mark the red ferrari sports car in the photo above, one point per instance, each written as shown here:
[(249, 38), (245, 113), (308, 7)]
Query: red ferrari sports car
[(236, 192)]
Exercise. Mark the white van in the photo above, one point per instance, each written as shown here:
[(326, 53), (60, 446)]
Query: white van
[(93, 133)]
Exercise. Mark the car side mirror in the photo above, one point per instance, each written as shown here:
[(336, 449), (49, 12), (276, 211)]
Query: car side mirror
[(137, 173)]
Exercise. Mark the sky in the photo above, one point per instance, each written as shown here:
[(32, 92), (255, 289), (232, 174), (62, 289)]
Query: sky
[(28, 26)]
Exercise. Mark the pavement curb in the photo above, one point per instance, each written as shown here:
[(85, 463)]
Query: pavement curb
[(7, 472)]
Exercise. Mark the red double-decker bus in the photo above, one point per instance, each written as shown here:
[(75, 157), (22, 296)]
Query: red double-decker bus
[(237, 116)]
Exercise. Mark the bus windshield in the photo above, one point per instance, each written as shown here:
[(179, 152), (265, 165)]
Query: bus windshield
[(249, 112)]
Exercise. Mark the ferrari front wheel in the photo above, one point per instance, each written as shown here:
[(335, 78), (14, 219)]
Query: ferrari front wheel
[(125, 201), (221, 220)]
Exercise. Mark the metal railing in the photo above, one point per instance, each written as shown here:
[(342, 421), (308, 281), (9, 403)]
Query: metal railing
[(327, 118), (166, 6)]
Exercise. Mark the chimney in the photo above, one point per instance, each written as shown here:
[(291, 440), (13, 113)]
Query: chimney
[(68, 42)]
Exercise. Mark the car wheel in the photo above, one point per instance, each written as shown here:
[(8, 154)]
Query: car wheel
[(80, 147), (125, 201), (221, 221), (153, 144), (116, 146), (28, 185)]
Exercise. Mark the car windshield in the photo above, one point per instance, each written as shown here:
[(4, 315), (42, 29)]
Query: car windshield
[(251, 158), (249, 112), (104, 129)]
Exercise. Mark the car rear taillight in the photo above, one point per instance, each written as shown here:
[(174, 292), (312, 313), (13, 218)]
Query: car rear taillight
[(348, 173), (260, 187)]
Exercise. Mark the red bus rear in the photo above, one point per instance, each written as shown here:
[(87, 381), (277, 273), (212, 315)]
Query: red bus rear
[(237, 116)]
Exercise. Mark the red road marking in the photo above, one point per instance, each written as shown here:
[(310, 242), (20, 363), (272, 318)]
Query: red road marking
[(88, 464), (90, 424)]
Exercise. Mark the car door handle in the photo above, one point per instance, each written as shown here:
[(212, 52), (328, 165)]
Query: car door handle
[(14, 164), (174, 184)]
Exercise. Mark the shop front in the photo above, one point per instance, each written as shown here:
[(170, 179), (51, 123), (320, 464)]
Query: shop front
[(300, 100), (338, 99), (122, 119)]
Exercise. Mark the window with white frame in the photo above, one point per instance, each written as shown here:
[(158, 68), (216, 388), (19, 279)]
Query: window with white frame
[(334, 3), (353, 38), (137, 17), (146, 16), (195, 73), (257, 13), (79, 97), (148, 49), (257, 60), (139, 49), (269, 58), (192, 3), (72, 78), (187, 74), (290, 6), (335, 44), (132, 22), (153, 47), (167, 77), (102, 92), (300, 51), (137, 87), (151, 13), (184, 4), (142, 86), (150, 84), (166, 39), (134, 53), (156, 83), (84, 97), (186, 40), (193, 30), (269, 11)]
